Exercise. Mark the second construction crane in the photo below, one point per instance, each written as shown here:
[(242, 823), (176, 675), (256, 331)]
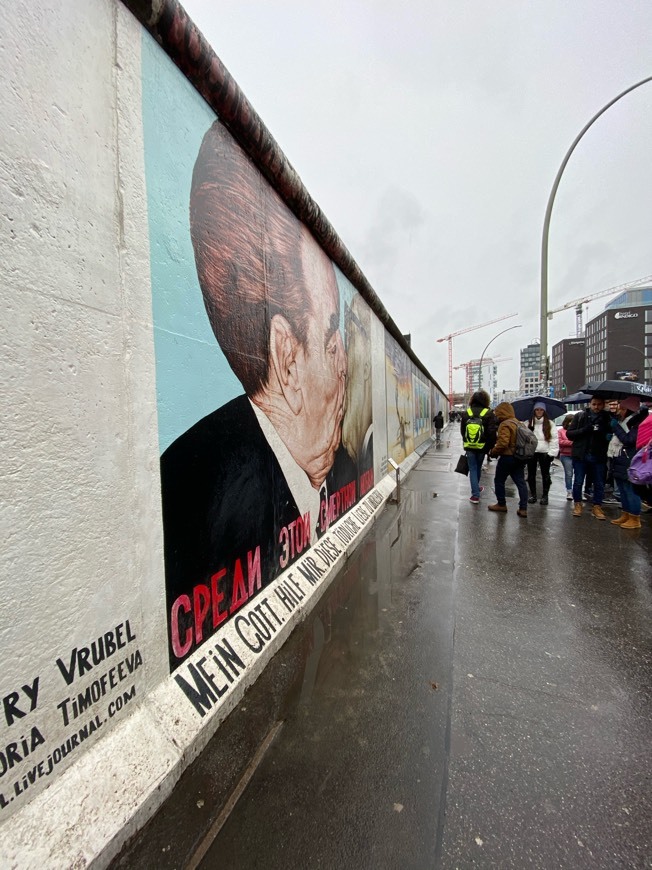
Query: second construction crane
[(578, 304), (449, 339)]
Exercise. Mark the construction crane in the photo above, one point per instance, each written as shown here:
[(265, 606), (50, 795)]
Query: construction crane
[(578, 304), (475, 364), (449, 339)]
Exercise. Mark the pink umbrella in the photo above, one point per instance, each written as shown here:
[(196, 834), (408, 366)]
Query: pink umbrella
[(632, 403)]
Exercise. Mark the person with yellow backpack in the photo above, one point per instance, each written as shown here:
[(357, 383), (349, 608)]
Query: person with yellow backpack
[(478, 428)]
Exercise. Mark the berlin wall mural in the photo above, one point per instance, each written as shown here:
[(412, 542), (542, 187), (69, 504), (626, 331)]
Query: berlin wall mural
[(275, 441), (400, 401), (422, 408), (279, 398)]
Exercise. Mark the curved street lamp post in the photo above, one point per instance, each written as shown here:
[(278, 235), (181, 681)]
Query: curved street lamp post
[(546, 228), (518, 326)]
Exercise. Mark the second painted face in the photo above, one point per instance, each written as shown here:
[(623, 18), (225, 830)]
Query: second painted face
[(321, 365)]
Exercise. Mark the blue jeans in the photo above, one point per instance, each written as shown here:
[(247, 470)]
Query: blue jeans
[(475, 458), (580, 468), (567, 462), (630, 502), (506, 467)]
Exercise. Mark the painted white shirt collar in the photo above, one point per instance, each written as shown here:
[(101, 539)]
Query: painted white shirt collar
[(304, 494)]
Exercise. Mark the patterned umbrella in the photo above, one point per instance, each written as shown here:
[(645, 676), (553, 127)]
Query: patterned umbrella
[(618, 389)]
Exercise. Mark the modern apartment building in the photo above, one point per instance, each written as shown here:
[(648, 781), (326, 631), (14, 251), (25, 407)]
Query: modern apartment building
[(567, 370), (530, 379), (619, 339)]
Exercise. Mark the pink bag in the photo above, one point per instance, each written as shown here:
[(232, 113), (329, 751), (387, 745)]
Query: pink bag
[(640, 468)]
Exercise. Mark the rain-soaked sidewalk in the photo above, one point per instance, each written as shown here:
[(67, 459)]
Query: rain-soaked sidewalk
[(473, 690)]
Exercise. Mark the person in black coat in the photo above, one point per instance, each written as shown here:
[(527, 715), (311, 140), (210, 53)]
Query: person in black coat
[(590, 432)]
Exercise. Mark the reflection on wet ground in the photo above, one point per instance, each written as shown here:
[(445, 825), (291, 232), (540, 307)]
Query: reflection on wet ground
[(526, 742)]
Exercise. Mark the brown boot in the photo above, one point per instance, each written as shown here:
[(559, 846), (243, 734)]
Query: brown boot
[(621, 519), (632, 523), (499, 508), (577, 510), (598, 513)]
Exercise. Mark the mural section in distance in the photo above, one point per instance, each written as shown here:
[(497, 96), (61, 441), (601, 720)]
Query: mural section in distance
[(266, 436), (400, 404), (422, 408)]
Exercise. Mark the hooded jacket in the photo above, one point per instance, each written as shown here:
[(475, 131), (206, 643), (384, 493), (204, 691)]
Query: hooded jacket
[(506, 437)]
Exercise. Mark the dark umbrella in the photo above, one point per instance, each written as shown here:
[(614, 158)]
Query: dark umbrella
[(524, 406), (577, 398), (617, 389)]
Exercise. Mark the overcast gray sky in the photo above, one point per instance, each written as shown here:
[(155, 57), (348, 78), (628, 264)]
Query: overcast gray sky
[(430, 134)]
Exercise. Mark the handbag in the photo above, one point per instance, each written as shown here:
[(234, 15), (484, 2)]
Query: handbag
[(640, 468), (462, 466)]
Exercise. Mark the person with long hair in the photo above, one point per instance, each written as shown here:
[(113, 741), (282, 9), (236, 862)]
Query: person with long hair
[(565, 446), (620, 452), (547, 448)]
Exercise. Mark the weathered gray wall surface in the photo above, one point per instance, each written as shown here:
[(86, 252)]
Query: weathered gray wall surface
[(109, 359)]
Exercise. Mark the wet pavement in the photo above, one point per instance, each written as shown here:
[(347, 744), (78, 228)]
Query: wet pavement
[(473, 690)]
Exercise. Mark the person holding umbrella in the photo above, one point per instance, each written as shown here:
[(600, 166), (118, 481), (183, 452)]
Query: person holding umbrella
[(547, 448), (590, 432), (622, 448)]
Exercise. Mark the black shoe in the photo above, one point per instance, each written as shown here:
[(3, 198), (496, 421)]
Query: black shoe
[(544, 500), (532, 499)]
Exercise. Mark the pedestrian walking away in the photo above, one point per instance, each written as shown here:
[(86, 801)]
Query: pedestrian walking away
[(590, 433), (547, 449), (508, 465), (565, 445), (620, 452), (438, 421), (478, 428)]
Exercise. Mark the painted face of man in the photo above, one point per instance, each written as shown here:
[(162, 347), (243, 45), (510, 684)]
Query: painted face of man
[(321, 366)]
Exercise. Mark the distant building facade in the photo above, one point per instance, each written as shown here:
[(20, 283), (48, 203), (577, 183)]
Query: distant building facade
[(619, 339), (485, 380), (530, 378), (568, 366)]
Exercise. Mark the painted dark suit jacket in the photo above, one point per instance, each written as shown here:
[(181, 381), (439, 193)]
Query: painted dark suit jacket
[(224, 494)]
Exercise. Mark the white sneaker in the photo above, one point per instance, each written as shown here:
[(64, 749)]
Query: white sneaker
[(569, 495)]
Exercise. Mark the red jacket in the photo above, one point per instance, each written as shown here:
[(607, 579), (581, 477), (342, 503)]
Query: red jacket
[(565, 444)]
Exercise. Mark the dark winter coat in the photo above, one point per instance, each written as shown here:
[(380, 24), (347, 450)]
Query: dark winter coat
[(590, 434), (490, 426), (627, 437)]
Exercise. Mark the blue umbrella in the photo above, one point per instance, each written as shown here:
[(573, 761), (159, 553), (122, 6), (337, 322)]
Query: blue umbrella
[(577, 398), (524, 406)]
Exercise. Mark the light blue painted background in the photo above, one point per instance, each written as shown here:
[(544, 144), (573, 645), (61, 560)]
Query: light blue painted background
[(192, 376)]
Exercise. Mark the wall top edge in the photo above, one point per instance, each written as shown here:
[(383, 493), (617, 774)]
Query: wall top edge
[(173, 29)]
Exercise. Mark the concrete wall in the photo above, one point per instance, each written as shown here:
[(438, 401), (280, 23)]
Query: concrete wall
[(109, 361)]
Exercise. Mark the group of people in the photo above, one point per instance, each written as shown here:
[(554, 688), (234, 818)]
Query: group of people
[(592, 445)]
